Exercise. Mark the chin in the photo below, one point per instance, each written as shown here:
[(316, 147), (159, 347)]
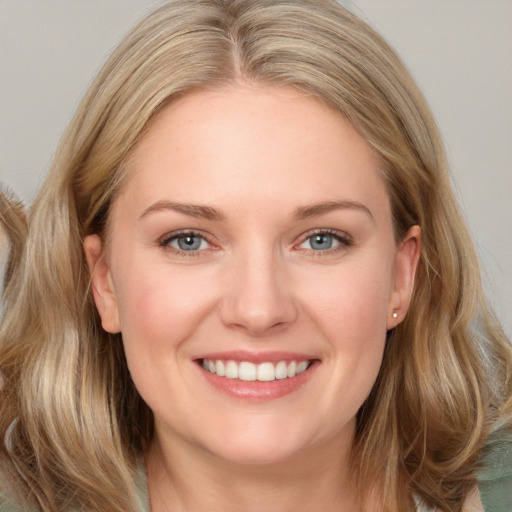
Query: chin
[(259, 444), (255, 454)]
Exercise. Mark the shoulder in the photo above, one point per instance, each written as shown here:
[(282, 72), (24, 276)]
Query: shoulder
[(495, 476)]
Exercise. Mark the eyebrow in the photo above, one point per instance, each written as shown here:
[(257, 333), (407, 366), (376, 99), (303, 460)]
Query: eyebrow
[(193, 210), (329, 206), (210, 213)]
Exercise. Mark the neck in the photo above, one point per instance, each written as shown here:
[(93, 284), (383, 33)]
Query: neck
[(185, 478)]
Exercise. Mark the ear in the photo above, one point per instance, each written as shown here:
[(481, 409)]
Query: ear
[(102, 284), (406, 263)]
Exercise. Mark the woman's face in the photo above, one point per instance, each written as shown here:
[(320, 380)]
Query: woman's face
[(253, 273)]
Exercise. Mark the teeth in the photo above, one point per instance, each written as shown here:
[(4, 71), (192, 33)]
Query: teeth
[(220, 368), (292, 369), (302, 367), (247, 371), (266, 372), (231, 370), (282, 370)]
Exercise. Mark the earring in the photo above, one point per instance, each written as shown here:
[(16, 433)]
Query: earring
[(395, 315)]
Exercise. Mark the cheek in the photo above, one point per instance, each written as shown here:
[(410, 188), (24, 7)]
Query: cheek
[(160, 306), (351, 302), (350, 310)]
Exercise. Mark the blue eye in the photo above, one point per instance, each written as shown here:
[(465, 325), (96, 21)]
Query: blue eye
[(321, 241), (185, 242), (325, 241), (189, 242)]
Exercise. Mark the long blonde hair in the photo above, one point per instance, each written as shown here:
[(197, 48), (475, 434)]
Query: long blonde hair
[(72, 420)]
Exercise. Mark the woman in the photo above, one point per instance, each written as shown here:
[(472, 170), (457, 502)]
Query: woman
[(246, 284)]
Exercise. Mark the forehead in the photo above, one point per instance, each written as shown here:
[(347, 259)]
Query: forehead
[(252, 143)]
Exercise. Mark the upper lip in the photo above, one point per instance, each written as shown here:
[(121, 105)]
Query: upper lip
[(257, 357)]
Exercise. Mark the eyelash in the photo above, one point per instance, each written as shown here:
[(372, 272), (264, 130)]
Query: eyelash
[(165, 242), (342, 238)]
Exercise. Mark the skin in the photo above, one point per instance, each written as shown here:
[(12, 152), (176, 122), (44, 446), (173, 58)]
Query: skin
[(261, 157)]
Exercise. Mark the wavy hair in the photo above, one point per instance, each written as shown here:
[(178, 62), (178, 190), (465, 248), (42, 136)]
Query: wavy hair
[(71, 419)]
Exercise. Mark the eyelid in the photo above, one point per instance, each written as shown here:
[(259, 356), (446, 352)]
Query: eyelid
[(164, 241), (341, 236)]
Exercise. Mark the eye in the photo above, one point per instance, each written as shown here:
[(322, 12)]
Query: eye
[(320, 241), (185, 242)]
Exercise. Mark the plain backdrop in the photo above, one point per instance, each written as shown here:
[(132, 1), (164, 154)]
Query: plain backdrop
[(459, 51)]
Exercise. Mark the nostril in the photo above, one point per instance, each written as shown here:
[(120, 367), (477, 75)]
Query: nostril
[(258, 316)]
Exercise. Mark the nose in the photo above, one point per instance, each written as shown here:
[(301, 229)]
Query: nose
[(259, 299)]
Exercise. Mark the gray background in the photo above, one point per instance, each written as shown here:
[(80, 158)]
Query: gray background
[(460, 52)]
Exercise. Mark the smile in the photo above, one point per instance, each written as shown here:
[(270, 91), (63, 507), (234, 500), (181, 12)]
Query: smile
[(248, 372)]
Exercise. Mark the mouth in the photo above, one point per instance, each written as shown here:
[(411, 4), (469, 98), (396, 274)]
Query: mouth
[(250, 372), (257, 377)]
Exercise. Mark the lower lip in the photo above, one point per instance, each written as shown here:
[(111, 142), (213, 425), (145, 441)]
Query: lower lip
[(258, 390)]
